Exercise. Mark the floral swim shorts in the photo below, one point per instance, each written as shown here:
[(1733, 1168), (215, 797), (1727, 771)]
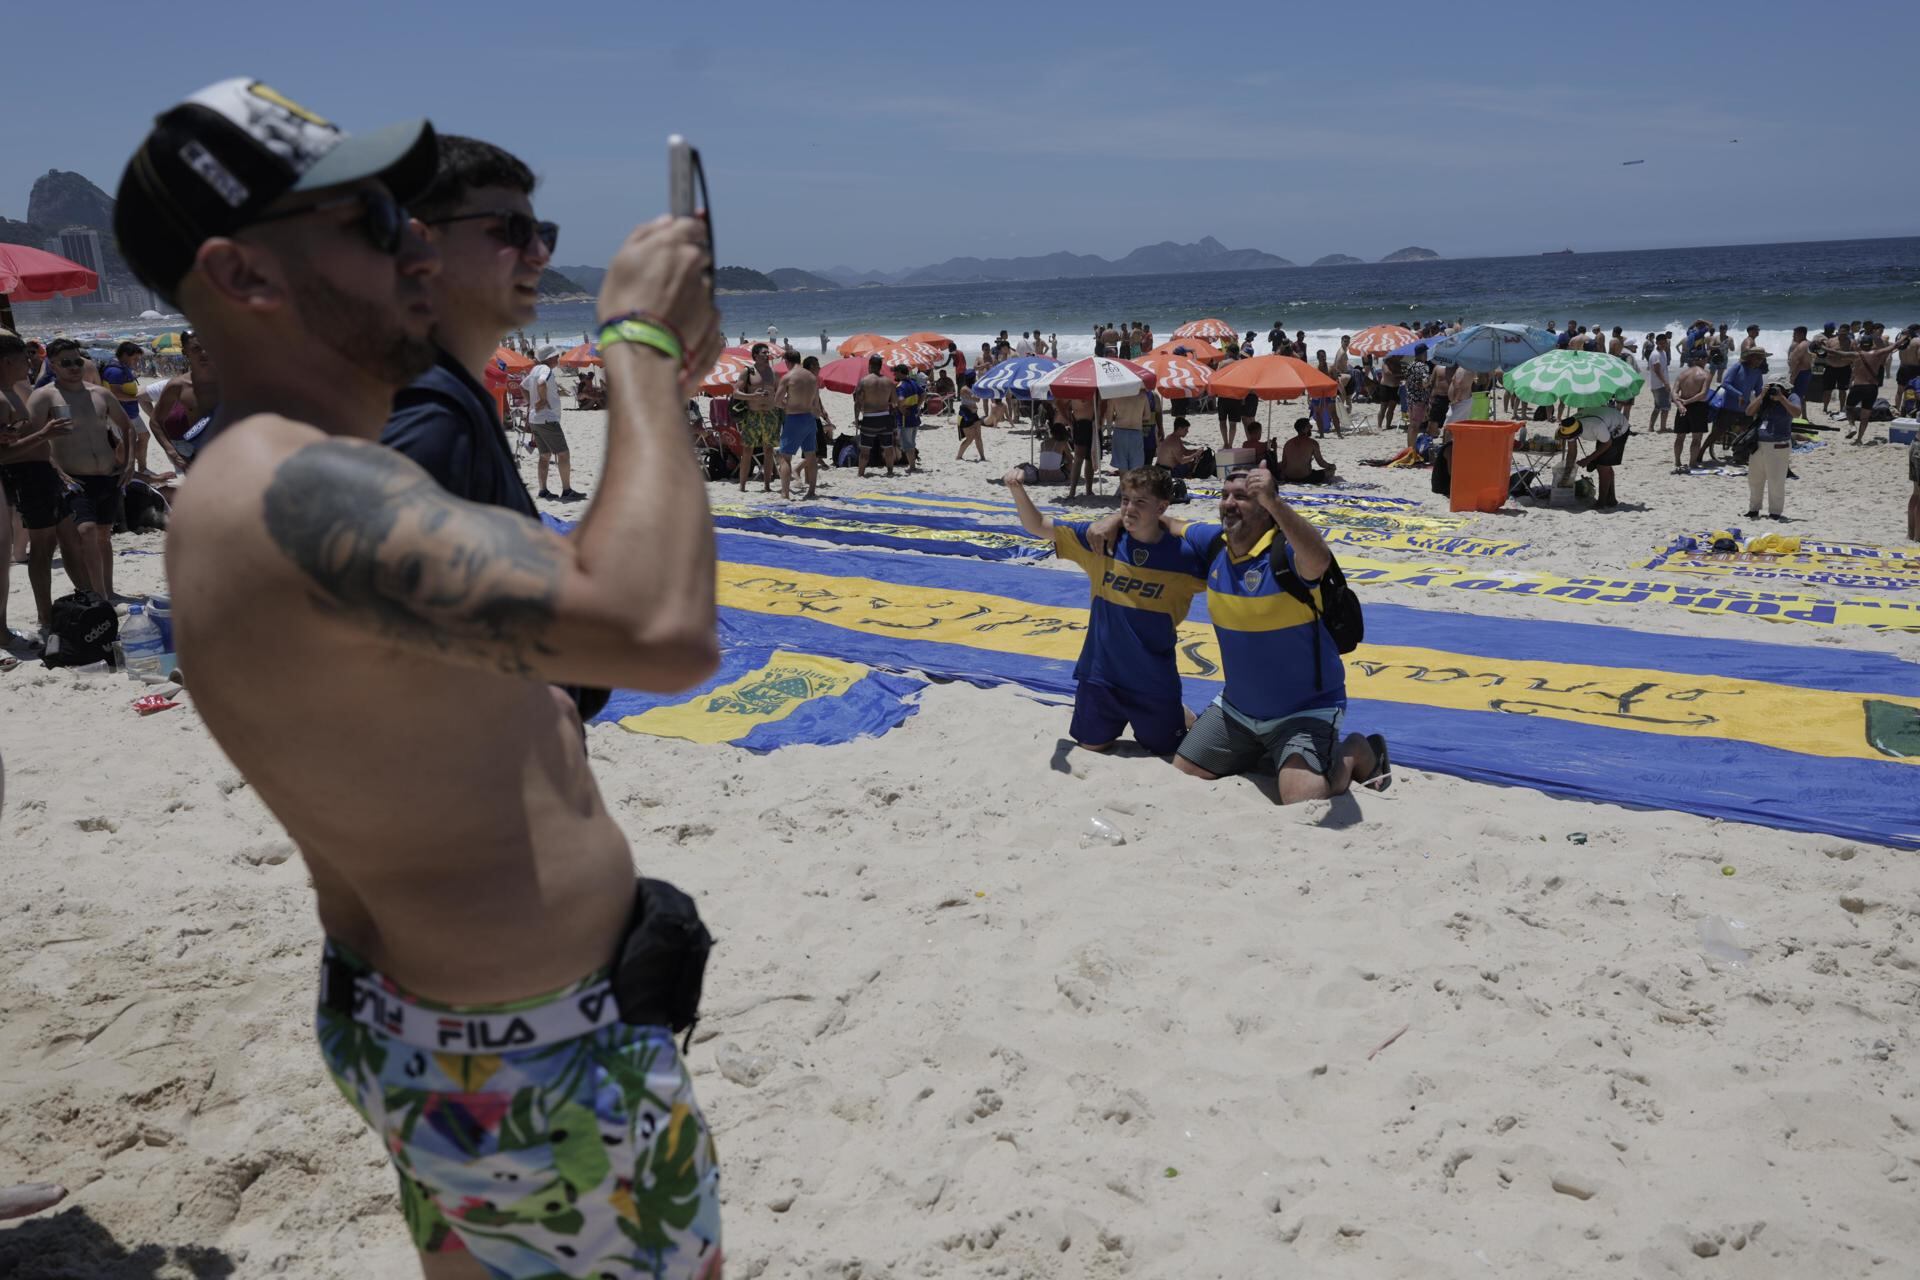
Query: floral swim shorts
[(584, 1156), (761, 428)]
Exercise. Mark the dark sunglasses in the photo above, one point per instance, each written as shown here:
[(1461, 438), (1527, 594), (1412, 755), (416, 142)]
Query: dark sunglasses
[(69, 364), (519, 231), (383, 219)]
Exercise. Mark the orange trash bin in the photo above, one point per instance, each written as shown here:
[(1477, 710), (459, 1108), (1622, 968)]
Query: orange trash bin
[(1482, 464)]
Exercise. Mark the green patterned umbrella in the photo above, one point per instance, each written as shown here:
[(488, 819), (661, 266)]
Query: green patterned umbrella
[(1588, 379)]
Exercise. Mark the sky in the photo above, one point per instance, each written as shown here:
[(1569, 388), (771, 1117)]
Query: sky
[(895, 136)]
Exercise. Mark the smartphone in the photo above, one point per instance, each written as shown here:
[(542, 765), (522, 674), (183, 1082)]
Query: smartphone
[(679, 177)]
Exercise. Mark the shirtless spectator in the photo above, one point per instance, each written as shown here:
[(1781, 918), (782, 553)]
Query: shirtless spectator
[(1459, 396), (873, 404), (184, 408), (1799, 364), (1341, 365), (1300, 460), (760, 424), (1386, 393), (1869, 365), (94, 459), (801, 413), (31, 488), (1174, 454), (476, 866), (1749, 342), (1693, 387)]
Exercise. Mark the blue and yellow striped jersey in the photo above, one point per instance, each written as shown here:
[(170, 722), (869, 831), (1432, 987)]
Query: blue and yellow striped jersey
[(1141, 594), (1267, 635)]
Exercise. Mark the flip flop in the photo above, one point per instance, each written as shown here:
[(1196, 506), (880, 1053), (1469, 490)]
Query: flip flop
[(154, 702), (1382, 776)]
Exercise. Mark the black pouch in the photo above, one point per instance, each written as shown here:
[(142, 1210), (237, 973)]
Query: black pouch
[(662, 960)]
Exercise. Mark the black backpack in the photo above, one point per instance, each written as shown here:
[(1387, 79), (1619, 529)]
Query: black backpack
[(1339, 608), (83, 630)]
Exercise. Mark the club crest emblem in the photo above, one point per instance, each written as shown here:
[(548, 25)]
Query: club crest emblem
[(1140, 557), (1251, 578)]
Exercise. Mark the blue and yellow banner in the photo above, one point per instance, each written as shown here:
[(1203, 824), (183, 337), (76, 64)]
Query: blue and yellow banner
[(1801, 738), (895, 530), (1791, 559), (765, 698)]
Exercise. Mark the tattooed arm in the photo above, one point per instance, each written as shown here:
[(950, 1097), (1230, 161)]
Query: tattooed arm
[(382, 547)]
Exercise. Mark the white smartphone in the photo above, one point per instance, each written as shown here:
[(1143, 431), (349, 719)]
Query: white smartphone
[(679, 177)]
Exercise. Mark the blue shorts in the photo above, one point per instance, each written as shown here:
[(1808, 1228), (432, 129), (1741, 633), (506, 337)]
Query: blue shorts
[(1101, 713), (909, 437), (800, 433), (1801, 381), (1129, 449)]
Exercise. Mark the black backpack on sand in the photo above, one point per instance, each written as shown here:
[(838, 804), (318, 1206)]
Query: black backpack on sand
[(83, 629)]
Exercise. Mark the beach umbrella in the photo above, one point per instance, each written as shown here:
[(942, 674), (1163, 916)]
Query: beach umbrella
[(939, 340), (508, 360), (1208, 329), (844, 375), (1192, 348), (734, 361), (1381, 339), (1585, 378), (28, 274), (915, 355), (862, 343), (1176, 377), (1482, 348), (1094, 378), (1014, 377), (1271, 378), (167, 344), (581, 356)]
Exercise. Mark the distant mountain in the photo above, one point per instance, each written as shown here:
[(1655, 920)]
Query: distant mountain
[(60, 199), (552, 282), (1412, 253), (588, 278), (795, 278), (1165, 258), (1339, 260), (743, 280)]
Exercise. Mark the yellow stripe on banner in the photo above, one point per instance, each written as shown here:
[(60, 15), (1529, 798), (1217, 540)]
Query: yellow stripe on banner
[(863, 524), (767, 694), (1809, 721), (943, 504), (1775, 606)]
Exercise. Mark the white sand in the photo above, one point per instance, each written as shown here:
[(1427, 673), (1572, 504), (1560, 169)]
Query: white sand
[(996, 1052)]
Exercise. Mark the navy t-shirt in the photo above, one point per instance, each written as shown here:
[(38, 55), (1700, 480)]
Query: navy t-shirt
[(446, 422)]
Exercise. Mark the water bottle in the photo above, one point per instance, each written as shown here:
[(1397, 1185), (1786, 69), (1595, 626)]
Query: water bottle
[(1099, 831), (144, 649)]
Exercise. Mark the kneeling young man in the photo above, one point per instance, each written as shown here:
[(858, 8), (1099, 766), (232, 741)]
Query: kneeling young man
[(1141, 594), (1286, 688)]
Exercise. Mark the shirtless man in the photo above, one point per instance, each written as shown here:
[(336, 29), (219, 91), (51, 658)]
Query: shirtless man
[(95, 458), (1173, 453), (438, 788), (1869, 365), (30, 486), (760, 427), (185, 406), (1300, 459), (1387, 393), (873, 401), (1459, 395), (1340, 364), (798, 401), (1749, 342), (1692, 387), (1799, 363)]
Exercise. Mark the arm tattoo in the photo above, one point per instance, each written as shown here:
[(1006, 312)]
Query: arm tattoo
[(387, 548)]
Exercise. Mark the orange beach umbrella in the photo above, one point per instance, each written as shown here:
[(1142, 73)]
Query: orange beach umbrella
[(512, 361), (1193, 348), (861, 344), (1209, 329), (581, 356), (1379, 339), (939, 340), (1177, 377), (1272, 378)]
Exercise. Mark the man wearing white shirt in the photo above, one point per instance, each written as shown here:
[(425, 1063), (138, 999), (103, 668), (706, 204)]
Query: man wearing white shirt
[(1024, 347), (1657, 366), (543, 420)]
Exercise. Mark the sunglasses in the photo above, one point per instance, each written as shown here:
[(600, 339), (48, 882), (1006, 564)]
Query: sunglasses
[(70, 364), (518, 231), (383, 220)]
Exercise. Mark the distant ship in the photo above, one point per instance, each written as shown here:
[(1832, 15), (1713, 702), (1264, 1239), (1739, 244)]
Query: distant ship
[(1628, 162), (1554, 253)]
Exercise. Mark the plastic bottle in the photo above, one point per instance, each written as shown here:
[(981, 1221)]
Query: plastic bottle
[(743, 1068), (1100, 831), (144, 650), (1717, 941)]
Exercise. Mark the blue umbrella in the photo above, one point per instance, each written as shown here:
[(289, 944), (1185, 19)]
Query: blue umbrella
[(1014, 377), (1482, 348)]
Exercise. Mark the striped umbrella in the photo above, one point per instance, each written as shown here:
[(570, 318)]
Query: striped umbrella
[(915, 355), (932, 339), (1588, 379), (1014, 377), (726, 371), (1381, 339), (1176, 377), (1094, 378), (1208, 329), (862, 343), (1193, 348)]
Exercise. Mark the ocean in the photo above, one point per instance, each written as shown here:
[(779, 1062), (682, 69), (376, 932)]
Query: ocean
[(1775, 286)]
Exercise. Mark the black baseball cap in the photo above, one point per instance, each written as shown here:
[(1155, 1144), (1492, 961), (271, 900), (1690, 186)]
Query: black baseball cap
[(215, 162)]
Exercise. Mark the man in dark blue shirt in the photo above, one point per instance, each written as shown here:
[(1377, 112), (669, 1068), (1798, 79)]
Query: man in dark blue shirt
[(479, 213)]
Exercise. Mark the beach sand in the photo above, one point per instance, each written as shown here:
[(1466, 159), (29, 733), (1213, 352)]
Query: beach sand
[(993, 1051)]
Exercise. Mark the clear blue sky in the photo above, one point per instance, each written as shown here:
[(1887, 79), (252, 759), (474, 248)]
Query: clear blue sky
[(896, 135)]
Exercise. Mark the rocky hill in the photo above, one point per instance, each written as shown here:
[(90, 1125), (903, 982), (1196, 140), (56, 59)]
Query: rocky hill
[(1165, 258), (552, 282), (61, 199), (1339, 260), (794, 278), (743, 280), (1412, 253), (588, 278)]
